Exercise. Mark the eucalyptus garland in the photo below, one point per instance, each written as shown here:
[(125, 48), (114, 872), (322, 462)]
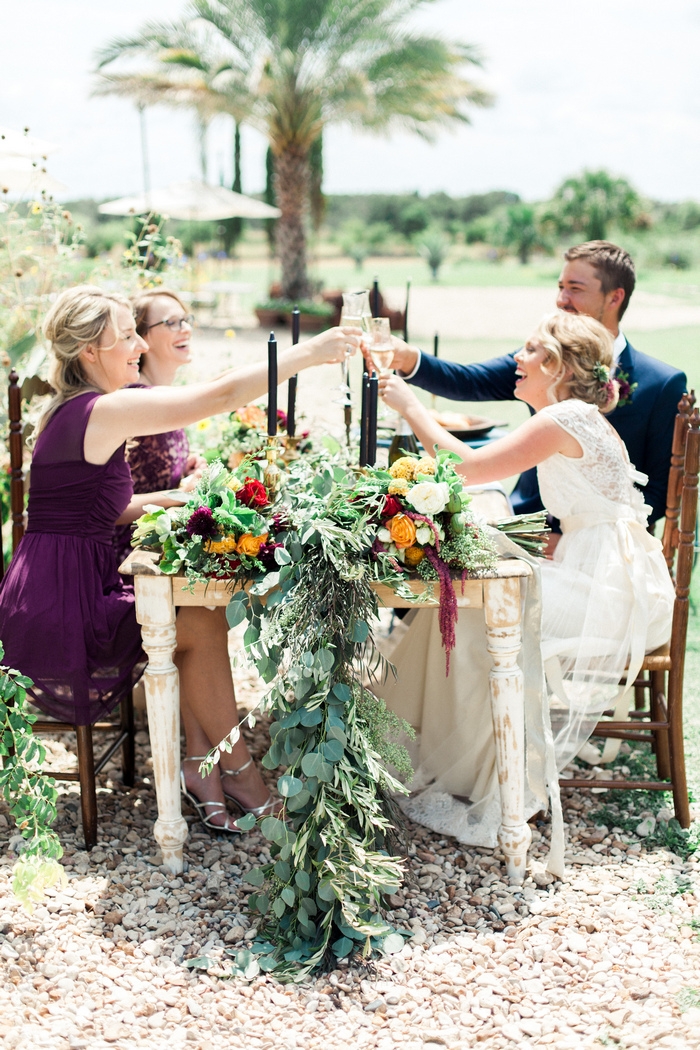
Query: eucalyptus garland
[(301, 571)]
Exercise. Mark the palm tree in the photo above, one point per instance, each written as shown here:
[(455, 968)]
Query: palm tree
[(298, 65)]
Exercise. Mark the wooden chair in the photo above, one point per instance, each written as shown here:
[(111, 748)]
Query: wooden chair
[(661, 675), (88, 767)]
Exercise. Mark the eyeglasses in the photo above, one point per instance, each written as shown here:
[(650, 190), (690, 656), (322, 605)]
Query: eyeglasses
[(175, 324)]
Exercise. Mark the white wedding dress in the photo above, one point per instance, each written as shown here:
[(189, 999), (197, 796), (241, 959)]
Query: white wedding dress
[(606, 599)]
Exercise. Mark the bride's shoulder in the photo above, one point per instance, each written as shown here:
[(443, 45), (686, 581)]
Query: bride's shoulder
[(571, 408)]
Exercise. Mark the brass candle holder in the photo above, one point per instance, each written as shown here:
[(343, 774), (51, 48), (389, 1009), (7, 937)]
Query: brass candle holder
[(291, 448), (272, 473)]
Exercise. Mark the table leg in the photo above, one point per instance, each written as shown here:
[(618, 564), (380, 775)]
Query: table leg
[(156, 614), (503, 641)]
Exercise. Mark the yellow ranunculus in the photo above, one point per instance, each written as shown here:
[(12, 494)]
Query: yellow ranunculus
[(398, 487), (402, 531), (405, 467), (251, 545), (225, 546), (413, 556)]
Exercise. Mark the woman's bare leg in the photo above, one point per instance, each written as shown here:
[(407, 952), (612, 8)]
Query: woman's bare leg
[(208, 707)]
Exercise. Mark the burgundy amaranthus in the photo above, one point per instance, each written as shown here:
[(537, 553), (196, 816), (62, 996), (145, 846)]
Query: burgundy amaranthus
[(448, 604), (202, 524)]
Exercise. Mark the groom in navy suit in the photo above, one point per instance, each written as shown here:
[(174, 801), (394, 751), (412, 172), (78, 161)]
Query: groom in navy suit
[(598, 279)]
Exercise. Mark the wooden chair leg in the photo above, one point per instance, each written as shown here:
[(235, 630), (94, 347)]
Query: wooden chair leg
[(639, 697), (88, 794), (657, 705), (676, 747), (128, 747)]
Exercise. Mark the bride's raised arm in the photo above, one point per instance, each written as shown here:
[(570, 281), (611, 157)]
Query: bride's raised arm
[(533, 441)]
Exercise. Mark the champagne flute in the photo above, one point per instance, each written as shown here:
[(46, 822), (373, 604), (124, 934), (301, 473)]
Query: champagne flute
[(355, 314), (381, 349)]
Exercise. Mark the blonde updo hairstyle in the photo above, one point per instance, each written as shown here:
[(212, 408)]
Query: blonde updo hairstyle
[(577, 346), (142, 302), (78, 318)]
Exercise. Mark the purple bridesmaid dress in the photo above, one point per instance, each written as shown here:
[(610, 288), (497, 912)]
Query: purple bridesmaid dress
[(67, 618), (157, 463)]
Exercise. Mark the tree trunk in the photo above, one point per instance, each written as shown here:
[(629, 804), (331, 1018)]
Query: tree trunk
[(233, 228), (292, 188), (269, 198)]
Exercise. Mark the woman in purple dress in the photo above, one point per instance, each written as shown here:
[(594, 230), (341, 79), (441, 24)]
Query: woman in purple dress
[(159, 462), (66, 618)]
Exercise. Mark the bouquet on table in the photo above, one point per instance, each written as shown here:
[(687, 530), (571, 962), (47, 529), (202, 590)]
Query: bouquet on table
[(424, 524), (224, 529), (243, 434)]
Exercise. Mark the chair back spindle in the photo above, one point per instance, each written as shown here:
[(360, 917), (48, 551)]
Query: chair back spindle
[(14, 397), (675, 479)]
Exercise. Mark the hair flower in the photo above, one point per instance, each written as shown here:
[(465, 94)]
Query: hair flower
[(601, 373)]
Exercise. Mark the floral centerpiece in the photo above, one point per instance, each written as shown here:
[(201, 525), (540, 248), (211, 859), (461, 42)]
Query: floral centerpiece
[(243, 434), (424, 522)]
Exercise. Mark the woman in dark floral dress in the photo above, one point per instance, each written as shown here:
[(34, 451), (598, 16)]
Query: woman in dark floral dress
[(159, 462)]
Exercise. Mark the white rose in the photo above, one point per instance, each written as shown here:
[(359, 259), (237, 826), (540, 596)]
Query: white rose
[(429, 497), (383, 535), (424, 534)]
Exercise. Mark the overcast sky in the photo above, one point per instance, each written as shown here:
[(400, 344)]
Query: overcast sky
[(598, 84)]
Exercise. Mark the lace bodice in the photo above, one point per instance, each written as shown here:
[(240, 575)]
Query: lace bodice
[(602, 480)]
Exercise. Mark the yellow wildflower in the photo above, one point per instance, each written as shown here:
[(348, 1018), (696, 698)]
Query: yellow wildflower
[(398, 487), (204, 424), (405, 467)]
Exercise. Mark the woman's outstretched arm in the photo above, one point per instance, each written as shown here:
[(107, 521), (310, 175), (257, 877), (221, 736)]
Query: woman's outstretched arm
[(129, 413), (533, 441)]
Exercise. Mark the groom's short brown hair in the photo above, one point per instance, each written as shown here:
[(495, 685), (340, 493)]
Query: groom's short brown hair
[(611, 263)]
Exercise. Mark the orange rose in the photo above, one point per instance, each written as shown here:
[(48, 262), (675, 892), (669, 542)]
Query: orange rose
[(413, 556), (225, 546), (252, 416), (402, 531), (251, 545)]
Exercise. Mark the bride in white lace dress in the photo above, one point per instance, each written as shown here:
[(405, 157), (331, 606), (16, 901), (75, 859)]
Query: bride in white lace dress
[(606, 596)]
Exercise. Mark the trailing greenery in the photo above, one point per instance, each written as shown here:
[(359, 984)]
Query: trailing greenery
[(30, 796)]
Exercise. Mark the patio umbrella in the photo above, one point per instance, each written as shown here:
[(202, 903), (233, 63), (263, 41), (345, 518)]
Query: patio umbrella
[(20, 144), (20, 175), (194, 201)]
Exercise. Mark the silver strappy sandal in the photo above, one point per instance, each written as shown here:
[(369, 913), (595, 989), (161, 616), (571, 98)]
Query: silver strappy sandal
[(257, 811), (206, 810)]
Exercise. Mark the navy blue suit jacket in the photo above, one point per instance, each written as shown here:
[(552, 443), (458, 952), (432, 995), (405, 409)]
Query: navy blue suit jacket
[(645, 424)]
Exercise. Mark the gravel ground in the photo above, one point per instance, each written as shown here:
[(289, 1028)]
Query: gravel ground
[(608, 957)]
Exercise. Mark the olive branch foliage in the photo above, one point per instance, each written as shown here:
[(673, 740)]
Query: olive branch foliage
[(31, 796)]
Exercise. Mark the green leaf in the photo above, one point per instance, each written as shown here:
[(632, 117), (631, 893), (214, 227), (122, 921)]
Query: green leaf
[(289, 786), (303, 880), (324, 659), (311, 716), (282, 870), (246, 823), (325, 891), (282, 556), (279, 907), (256, 876), (274, 830), (202, 962), (335, 732), (342, 691), (342, 947), (288, 896), (332, 750), (392, 944), (311, 763), (235, 613), (360, 632)]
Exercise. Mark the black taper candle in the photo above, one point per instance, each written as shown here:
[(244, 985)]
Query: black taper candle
[(375, 297), (292, 384), (435, 345), (271, 385), (373, 398), (405, 313), (363, 420)]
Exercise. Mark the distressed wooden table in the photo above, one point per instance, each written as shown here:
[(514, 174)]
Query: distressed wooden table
[(499, 594)]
